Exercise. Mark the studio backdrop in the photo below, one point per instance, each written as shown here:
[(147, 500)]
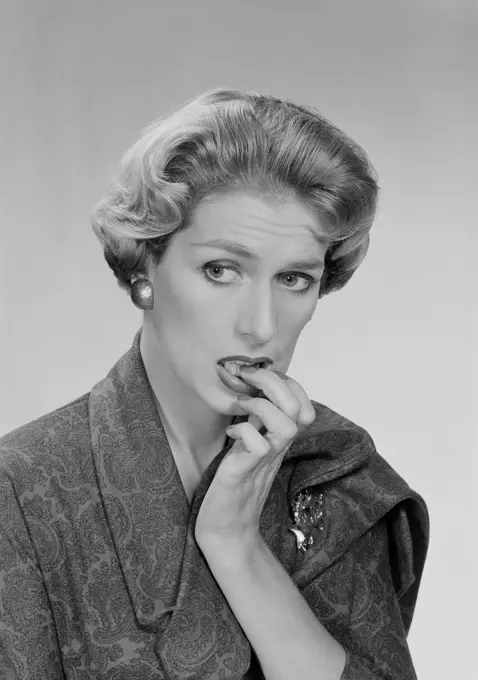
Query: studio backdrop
[(392, 351)]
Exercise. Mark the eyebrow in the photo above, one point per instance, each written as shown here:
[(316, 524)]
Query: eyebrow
[(238, 249)]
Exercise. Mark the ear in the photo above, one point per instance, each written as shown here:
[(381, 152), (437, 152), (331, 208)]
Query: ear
[(151, 266)]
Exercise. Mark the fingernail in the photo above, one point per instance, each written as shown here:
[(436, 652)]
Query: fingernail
[(247, 369)]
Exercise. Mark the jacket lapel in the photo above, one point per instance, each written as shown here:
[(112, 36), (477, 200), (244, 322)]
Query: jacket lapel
[(172, 592), (361, 488), (144, 501)]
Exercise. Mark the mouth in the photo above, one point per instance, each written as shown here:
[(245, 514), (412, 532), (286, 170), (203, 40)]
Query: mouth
[(228, 370), (241, 360)]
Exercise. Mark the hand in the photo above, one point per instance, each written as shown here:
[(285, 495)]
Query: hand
[(231, 510)]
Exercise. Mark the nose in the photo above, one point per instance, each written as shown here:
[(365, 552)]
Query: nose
[(257, 317)]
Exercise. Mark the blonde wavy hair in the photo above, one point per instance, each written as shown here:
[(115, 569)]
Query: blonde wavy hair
[(230, 139)]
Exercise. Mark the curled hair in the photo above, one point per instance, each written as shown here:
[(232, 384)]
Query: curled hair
[(232, 139)]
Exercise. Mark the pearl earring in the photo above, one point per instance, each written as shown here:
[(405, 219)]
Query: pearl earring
[(142, 294)]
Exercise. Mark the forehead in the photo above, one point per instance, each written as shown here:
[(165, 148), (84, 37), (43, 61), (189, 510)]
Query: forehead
[(259, 219)]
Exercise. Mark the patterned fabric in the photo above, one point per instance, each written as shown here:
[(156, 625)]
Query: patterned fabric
[(101, 577)]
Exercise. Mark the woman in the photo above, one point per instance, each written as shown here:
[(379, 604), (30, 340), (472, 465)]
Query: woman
[(141, 537)]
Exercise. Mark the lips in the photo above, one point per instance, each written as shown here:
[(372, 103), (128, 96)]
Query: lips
[(250, 361), (233, 381)]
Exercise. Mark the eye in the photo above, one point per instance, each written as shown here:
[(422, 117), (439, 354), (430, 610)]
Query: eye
[(209, 266), (212, 265)]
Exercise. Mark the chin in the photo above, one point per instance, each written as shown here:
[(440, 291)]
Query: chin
[(229, 406)]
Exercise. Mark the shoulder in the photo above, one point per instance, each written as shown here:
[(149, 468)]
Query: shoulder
[(338, 459), (331, 441), (33, 452), (349, 448), (336, 427), (357, 465)]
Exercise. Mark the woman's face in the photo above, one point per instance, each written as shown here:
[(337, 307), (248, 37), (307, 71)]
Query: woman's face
[(210, 302)]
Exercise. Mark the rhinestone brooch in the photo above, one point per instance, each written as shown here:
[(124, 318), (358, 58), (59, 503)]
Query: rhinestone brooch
[(307, 510)]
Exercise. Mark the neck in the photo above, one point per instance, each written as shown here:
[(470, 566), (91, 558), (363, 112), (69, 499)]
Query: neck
[(191, 426)]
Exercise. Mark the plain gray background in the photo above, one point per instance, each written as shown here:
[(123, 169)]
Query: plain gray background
[(392, 351)]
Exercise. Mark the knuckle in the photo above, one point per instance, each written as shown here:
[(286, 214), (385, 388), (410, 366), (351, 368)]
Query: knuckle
[(291, 431), (309, 417), (295, 409)]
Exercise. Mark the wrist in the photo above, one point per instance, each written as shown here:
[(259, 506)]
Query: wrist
[(232, 551)]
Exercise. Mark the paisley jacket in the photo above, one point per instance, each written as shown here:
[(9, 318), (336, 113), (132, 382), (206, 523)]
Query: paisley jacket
[(101, 577)]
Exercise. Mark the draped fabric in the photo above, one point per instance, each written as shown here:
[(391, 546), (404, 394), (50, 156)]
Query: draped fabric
[(101, 577)]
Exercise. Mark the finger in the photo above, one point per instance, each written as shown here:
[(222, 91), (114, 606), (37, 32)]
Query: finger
[(252, 440), (275, 389), (276, 421), (303, 414), (307, 412), (249, 452)]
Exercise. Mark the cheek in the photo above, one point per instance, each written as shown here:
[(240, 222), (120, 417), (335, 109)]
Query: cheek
[(290, 334), (292, 321)]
